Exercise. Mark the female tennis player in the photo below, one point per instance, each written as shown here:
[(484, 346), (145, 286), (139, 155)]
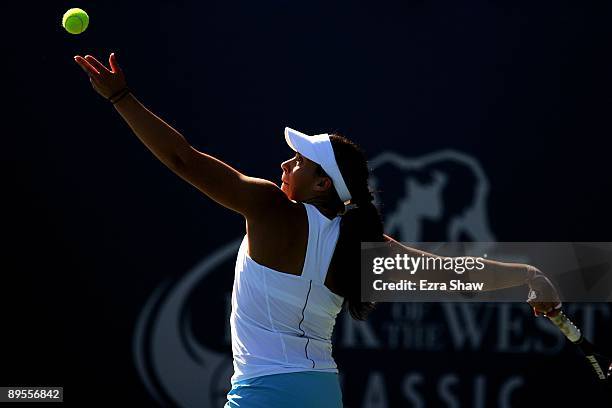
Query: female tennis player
[(296, 266)]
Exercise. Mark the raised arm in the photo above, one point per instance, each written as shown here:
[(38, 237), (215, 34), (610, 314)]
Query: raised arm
[(248, 196)]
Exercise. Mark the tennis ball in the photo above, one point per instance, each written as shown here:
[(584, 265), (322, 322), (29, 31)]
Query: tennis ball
[(75, 21)]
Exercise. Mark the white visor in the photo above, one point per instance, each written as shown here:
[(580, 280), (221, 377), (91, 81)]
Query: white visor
[(318, 148)]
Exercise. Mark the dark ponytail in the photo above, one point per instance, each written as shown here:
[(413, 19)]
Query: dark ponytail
[(360, 224)]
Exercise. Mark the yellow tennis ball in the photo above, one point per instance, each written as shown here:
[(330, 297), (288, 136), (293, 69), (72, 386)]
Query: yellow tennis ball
[(75, 21)]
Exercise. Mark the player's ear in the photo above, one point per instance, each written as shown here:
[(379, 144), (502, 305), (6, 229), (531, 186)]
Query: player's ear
[(324, 183)]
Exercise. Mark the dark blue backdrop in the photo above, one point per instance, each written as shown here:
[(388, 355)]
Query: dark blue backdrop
[(95, 226)]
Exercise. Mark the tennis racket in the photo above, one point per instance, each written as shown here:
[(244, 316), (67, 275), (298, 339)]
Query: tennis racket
[(601, 364)]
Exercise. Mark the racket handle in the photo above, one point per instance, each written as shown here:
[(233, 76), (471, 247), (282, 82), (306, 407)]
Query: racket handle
[(566, 326)]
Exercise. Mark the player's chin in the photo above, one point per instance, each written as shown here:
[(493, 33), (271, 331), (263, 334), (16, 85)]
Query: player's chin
[(285, 189)]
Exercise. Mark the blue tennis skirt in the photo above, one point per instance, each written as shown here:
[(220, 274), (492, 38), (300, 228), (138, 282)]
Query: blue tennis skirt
[(303, 389)]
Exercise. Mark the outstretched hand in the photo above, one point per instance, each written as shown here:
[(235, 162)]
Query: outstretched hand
[(107, 82), (543, 296)]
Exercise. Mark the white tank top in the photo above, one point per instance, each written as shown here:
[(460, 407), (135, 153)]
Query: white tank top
[(282, 323)]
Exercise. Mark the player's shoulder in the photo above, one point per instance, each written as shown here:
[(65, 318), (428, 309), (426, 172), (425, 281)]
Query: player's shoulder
[(277, 208), (280, 225), (292, 210)]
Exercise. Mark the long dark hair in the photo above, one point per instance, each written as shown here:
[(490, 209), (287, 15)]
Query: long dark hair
[(361, 224)]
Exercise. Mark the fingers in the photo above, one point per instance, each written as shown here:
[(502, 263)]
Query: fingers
[(539, 309), (97, 65), (86, 66), (112, 61), (545, 308), (94, 81), (536, 307), (554, 312)]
